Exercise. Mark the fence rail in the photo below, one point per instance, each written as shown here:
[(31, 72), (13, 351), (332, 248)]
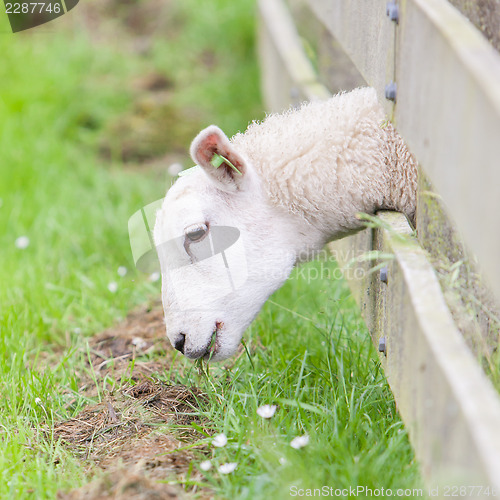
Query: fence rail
[(447, 109), (447, 105)]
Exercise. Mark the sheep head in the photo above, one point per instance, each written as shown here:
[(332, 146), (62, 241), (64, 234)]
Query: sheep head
[(223, 249)]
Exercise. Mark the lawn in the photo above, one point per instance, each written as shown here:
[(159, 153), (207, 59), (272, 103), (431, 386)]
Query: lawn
[(70, 177), (314, 360)]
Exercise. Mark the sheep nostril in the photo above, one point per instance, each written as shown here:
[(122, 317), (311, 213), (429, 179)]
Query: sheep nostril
[(179, 343)]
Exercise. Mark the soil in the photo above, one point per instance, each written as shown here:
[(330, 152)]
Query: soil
[(141, 335), (127, 439), (124, 484)]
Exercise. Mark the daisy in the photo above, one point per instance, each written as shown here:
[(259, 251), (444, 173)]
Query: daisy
[(228, 468), (300, 441), (266, 411), (139, 342), (22, 242), (122, 271), (219, 440), (154, 277), (205, 465)]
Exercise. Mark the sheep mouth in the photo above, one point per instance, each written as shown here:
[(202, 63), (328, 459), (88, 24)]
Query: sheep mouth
[(214, 344)]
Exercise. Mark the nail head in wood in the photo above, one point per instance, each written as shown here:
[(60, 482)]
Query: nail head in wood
[(392, 11)]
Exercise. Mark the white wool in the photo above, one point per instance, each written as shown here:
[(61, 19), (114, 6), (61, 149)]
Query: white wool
[(329, 160)]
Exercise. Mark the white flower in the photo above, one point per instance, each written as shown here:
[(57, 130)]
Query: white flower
[(139, 342), (22, 242), (266, 411), (206, 465), (283, 460), (122, 271), (113, 286), (300, 441), (219, 440), (153, 277), (38, 401), (174, 169), (77, 330), (228, 468)]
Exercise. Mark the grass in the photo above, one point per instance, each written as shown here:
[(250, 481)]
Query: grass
[(58, 93), (315, 361), (74, 212)]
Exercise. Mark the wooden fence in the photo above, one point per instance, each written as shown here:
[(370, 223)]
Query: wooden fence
[(439, 81)]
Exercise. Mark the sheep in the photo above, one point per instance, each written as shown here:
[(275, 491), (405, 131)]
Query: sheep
[(229, 233)]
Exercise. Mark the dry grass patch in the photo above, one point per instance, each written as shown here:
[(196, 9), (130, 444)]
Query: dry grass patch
[(138, 432), (124, 484)]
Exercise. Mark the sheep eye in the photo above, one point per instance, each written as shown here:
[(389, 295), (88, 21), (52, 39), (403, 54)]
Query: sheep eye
[(196, 233)]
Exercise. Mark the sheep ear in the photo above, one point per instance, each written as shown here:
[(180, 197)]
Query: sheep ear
[(212, 150)]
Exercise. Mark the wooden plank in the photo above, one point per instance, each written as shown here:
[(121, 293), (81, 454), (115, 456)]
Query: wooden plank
[(448, 405), (448, 102), (349, 253), (473, 306), (287, 74), (366, 35), (333, 66), (449, 113), (472, 303)]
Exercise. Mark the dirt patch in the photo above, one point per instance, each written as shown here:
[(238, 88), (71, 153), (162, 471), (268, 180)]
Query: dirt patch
[(154, 126), (129, 434), (135, 18), (124, 427), (124, 484), (128, 21), (141, 333), (133, 349)]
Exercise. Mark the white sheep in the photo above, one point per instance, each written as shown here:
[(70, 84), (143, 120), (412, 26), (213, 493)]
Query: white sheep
[(229, 234)]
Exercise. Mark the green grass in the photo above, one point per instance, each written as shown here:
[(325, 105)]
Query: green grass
[(74, 212), (212, 61), (317, 364), (58, 93)]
